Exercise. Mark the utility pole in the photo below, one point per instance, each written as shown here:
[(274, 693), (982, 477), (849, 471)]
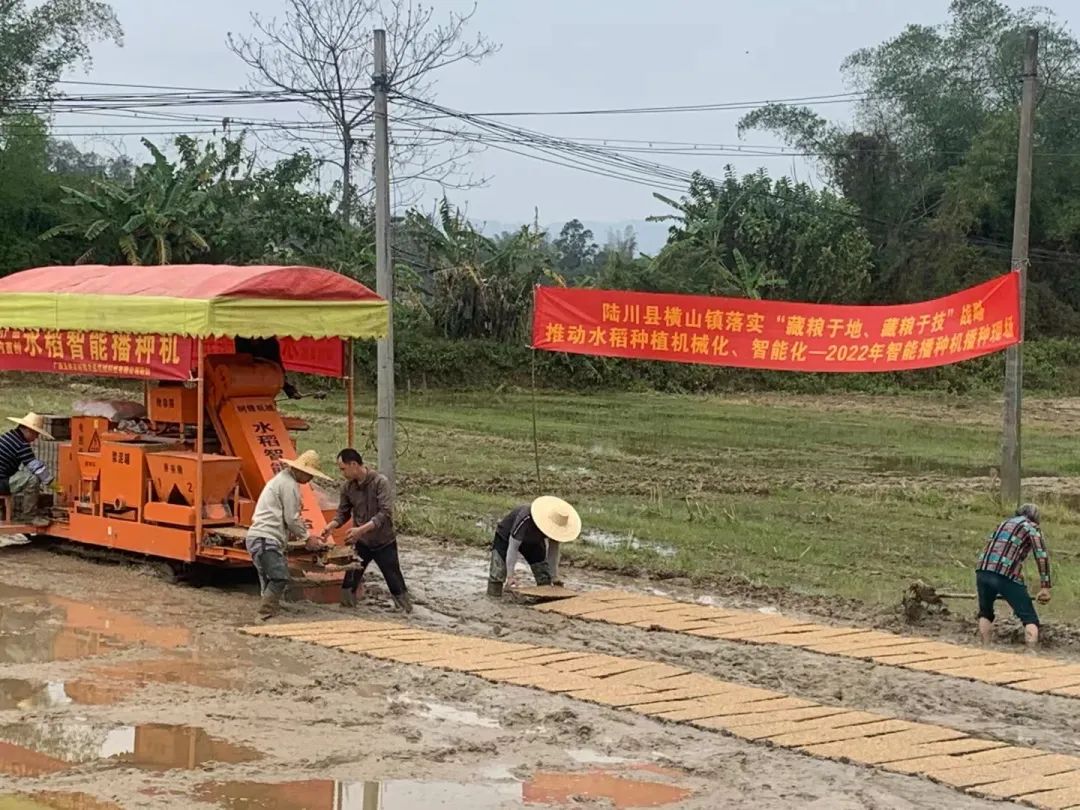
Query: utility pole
[(1014, 358), (384, 274)]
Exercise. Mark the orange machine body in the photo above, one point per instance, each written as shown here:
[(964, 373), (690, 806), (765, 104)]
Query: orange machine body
[(242, 409), (136, 492)]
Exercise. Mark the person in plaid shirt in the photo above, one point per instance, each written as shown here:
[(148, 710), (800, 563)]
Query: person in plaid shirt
[(999, 572)]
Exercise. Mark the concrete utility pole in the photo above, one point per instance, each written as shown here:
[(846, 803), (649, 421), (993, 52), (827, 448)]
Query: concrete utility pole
[(1014, 358), (384, 274)]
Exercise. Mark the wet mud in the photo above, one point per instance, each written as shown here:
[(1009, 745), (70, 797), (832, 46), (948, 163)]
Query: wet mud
[(119, 690)]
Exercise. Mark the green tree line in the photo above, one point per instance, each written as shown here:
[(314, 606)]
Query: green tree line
[(917, 201)]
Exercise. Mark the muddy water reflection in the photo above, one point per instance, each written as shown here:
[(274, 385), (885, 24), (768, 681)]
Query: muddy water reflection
[(161, 746), (54, 800), (614, 789), (205, 673), (109, 685), (607, 540), (553, 790), (36, 626), (432, 710), (20, 694), (39, 749), (321, 794)]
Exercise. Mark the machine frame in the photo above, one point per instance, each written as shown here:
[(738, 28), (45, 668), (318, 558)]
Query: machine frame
[(212, 301)]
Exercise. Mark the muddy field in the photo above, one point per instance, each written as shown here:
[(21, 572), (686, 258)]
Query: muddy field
[(118, 689), (848, 497)]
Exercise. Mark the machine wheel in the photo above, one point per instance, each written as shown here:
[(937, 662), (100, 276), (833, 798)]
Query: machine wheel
[(166, 571), (178, 573)]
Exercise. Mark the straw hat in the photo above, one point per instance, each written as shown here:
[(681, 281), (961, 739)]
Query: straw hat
[(308, 462), (556, 518), (34, 421)]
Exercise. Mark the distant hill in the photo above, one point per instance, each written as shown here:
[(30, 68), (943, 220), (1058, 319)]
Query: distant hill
[(651, 236)]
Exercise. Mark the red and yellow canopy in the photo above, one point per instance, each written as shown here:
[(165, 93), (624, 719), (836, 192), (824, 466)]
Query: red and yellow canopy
[(194, 300)]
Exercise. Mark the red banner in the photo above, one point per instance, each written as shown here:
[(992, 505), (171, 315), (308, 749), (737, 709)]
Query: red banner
[(147, 357), (778, 335), (304, 355)]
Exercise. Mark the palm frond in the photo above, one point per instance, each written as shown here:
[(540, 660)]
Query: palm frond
[(67, 229), (96, 229), (129, 249)]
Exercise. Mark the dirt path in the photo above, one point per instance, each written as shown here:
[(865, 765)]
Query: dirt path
[(142, 694)]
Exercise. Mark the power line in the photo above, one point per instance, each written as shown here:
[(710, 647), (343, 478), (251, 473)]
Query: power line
[(604, 162), (595, 160), (126, 101), (835, 98), (623, 145), (599, 158), (85, 83)]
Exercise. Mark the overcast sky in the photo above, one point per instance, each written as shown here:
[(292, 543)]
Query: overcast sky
[(567, 54)]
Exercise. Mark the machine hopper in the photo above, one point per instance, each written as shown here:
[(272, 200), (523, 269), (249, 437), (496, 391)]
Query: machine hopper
[(173, 475)]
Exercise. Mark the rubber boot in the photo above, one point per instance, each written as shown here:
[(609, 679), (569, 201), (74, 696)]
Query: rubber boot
[(542, 573), (495, 589), (270, 606), (348, 598), (27, 506), (404, 602)]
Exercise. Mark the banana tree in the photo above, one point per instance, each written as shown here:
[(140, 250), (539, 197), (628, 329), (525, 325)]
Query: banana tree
[(151, 222), (469, 284)]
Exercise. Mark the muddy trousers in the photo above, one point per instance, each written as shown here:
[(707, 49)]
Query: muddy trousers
[(535, 556), (271, 566), (386, 557), (25, 487)]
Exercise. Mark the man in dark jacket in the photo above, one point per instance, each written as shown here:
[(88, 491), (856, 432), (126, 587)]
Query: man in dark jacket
[(367, 501), (535, 531)]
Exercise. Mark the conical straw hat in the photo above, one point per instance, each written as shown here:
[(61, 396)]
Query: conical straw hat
[(308, 462), (556, 518), (34, 421)]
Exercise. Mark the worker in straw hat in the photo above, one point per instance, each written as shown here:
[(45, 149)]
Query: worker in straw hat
[(22, 474), (276, 518), (534, 531)]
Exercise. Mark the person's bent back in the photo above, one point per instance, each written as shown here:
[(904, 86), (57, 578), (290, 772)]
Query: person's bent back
[(1000, 567)]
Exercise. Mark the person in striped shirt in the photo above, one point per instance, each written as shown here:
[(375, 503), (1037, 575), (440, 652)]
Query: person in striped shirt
[(22, 474), (999, 572)]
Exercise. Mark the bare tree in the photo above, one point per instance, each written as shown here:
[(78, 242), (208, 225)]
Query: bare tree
[(322, 51)]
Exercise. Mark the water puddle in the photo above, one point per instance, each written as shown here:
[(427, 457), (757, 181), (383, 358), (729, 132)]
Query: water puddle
[(318, 594), (205, 673), (54, 800), (27, 695), (543, 790), (36, 627), (626, 542), (331, 795), (109, 685), (612, 788), (39, 749), (586, 756), (451, 714), (183, 747)]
